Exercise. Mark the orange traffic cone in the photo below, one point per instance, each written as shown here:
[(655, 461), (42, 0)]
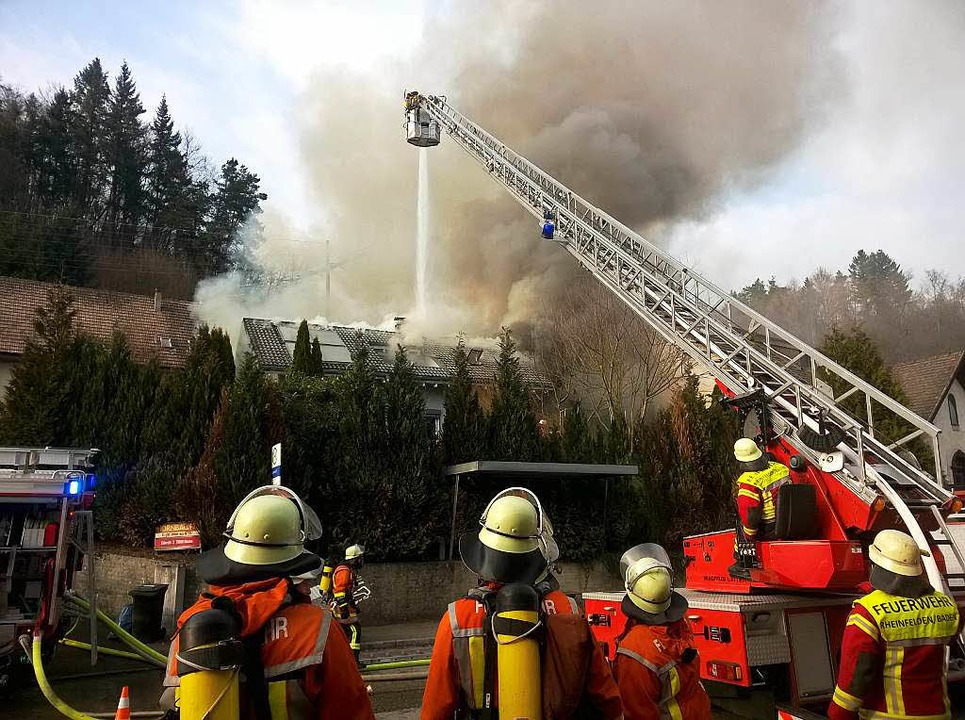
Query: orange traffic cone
[(123, 706)]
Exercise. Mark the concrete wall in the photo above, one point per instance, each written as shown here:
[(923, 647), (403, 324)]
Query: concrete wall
[(401, 592), (952, 438)]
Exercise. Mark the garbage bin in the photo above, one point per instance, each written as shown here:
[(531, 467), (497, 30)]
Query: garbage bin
[(148, 610)]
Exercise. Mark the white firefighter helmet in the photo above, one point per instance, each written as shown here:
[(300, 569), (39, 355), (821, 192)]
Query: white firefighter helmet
[(353, 552), (648, 579), (511, 543), (265, 537), (897, 552), (746, 450)]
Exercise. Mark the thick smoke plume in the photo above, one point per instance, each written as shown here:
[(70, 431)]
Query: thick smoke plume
[(650, 110)]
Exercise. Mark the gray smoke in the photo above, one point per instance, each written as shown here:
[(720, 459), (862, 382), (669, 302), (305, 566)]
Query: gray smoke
[(649, 109)]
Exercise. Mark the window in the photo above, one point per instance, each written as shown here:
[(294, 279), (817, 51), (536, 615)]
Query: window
[(434, 422), (952, 411), (958, 470)]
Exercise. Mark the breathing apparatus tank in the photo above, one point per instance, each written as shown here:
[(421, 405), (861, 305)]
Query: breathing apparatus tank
[(515, 624), (209, 659), (325, 581)]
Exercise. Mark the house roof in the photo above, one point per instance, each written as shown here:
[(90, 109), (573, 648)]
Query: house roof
[(149, 330), (273, 342), (926, 381)]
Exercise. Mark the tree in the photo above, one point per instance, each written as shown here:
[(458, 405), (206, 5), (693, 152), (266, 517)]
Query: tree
[(236, 198), (87, 122), (316, 362), (167, 178), (243, 462), (576, 438), (38, 400), (857, 352), (126, 147), (512, 429), (302, 354), (463, 431)]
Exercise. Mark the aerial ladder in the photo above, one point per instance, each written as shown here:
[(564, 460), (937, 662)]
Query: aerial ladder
[(796, 401)]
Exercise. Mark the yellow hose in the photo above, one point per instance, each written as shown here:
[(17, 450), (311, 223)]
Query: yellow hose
[(110, 651), (140, 648), (59, 705)]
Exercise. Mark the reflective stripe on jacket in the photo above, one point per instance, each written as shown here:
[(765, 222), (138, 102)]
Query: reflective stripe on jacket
[(757, 496), (655, 681), (307, 662), (893, 658), (457, 672)]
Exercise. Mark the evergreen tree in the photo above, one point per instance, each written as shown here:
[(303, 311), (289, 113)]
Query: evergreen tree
[(410, 468), (167, 178), (236, 198), (38, 400), (463, 431), (310, 413), (243, 461), (88, 119), (302, 354), (576, 441), (513, 433), (126, 147), (188, 399), (317, 362)]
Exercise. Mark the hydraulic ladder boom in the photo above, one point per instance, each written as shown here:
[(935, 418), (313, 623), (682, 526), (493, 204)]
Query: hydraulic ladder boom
[(744, 350)]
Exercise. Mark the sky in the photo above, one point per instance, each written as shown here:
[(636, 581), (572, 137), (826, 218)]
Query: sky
[(884, 167)]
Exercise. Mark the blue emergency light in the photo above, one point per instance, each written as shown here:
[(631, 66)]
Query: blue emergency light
[(74, 486)]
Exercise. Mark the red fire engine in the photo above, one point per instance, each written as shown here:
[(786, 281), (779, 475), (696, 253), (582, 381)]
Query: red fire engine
[(45, 531), (781, 623)]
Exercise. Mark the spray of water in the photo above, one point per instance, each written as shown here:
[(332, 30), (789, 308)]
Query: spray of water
[(422, 236)]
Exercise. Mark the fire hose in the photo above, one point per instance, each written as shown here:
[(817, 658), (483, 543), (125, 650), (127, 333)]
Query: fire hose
[(37, 661), (148, 653)]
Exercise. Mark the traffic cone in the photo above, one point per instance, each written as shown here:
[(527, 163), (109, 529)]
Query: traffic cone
[(123, 706)]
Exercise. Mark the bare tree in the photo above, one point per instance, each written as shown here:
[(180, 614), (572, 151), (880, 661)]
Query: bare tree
[(599, 352)]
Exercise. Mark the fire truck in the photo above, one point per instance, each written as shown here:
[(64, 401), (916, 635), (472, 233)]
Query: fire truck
[(780, 624), (46, 530)]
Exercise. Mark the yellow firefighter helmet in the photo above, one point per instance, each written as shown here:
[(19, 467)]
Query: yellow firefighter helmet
[(897, 552)]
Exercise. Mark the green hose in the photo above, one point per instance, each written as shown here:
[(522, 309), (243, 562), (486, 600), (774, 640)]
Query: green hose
[(59, 705), (110, 651), (398, 664), (147, 652)]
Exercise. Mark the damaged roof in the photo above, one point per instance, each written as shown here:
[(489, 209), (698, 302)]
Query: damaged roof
[(926, 381), (273, 342)]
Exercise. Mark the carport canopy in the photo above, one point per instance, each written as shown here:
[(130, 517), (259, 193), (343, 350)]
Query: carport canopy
[(522, 472)]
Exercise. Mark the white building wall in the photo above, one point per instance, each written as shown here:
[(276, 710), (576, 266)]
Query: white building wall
[(952, 438)]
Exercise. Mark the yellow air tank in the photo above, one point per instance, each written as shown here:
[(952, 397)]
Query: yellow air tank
[(210, 656), (325, 582), (516, 626)]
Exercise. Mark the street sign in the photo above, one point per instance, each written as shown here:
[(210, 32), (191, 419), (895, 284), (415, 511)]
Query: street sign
[(276, 464), (177, 536)]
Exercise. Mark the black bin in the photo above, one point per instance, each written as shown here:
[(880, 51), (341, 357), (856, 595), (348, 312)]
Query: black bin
[(148, 611)]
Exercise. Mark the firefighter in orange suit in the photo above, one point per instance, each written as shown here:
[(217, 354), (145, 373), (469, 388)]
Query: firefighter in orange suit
[(348, 591), (656, 667), (757, 489), (298, 664), (515, 545), (893, 652)]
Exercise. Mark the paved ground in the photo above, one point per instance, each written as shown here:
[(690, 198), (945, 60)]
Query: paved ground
[(95, 690)]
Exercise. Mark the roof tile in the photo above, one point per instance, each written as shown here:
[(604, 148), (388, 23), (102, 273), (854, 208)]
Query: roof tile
[(99, 313), (926, 380)]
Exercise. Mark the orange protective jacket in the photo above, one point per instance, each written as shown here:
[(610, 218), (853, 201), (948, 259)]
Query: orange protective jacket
[(658, 673), (343, 591), (455, 672), (309, 667)]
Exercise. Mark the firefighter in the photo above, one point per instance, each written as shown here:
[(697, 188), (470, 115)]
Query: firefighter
[(297, 664), (656, 666), (893, 653), (348, 591), (513, 546), (757, 489)]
